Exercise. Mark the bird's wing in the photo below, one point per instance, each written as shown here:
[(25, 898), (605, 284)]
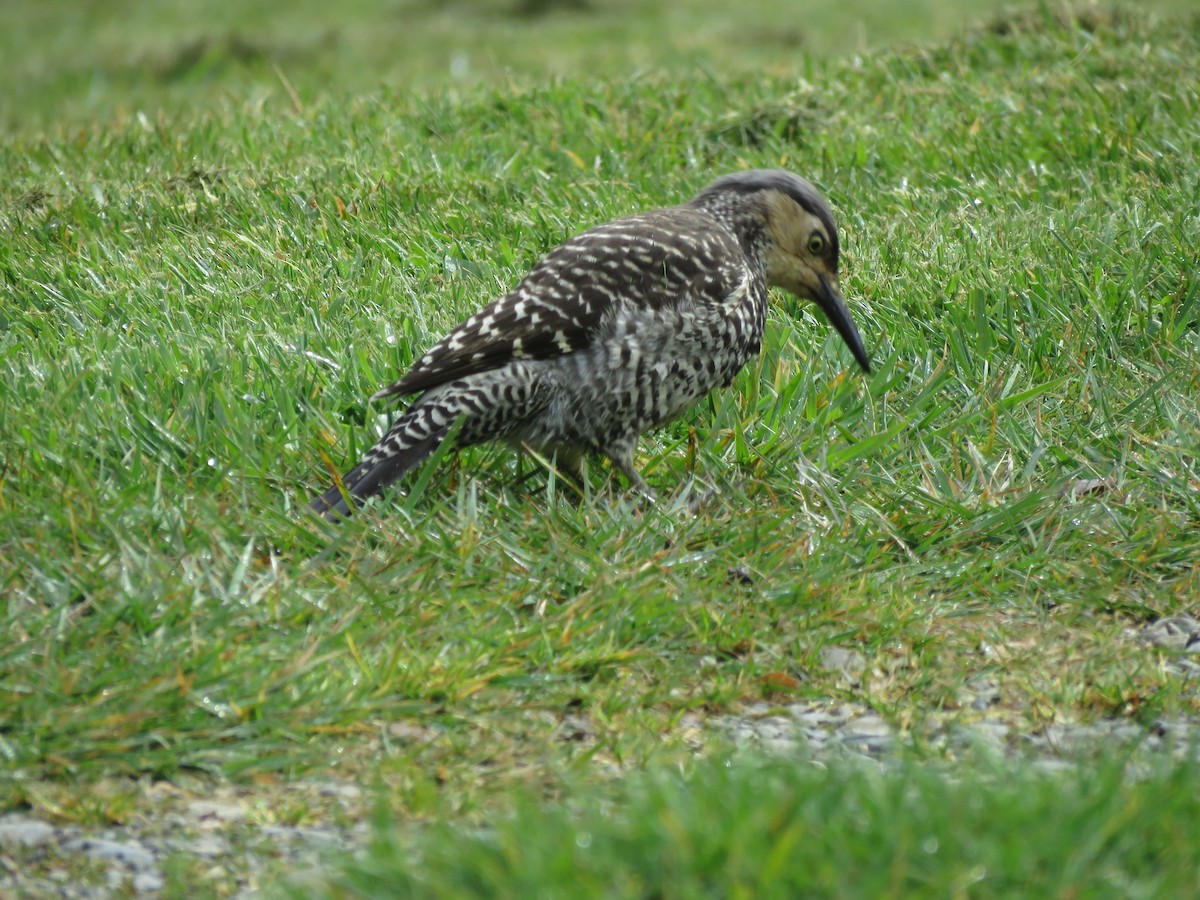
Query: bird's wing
[(653, 259)]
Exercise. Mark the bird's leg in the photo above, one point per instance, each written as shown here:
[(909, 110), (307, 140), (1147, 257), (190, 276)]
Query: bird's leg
[(566, 464), (569, 468), (622, 460)]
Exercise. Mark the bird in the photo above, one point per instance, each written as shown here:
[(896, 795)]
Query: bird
[(617, 330)]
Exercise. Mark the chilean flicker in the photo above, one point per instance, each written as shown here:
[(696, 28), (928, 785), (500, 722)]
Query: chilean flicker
[(616, 331)]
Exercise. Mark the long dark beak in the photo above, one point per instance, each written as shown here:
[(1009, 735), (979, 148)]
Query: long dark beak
[(838, 313)]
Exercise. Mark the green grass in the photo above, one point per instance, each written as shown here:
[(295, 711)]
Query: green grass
[(195, 302), (78, 60), (787, 831)]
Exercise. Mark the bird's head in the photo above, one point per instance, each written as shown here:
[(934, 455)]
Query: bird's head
[(799, 240)]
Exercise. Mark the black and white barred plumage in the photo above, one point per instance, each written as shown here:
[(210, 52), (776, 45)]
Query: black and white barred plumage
[(615, 331)]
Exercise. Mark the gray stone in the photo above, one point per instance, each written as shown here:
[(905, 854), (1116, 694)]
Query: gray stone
[(1180, 632), (216, 811), (1053, 767), (868, 733), (775, 727), (208, 846), (131, 854), (989, 734), (815, 735), (1123, 732), (575, 728), (410, 732), (850, 663), (343, 790), (309, 835), (780, 746), (148, 883), (18, 830), (1076, 738), (827, 716), (980, 692)]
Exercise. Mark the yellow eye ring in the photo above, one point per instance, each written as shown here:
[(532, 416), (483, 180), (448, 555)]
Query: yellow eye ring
[(816, 244)]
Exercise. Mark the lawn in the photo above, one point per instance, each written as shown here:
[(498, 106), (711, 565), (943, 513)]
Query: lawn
[(206, 269)]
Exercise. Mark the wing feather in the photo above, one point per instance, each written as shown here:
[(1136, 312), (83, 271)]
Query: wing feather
[(655, 258)]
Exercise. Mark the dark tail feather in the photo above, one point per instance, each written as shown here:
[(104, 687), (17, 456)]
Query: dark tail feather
[(372, 475)]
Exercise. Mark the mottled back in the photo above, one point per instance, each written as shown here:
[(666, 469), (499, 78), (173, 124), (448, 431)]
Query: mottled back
[(652, 259)]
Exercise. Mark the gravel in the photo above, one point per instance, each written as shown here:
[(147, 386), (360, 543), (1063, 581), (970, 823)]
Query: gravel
[(221, 844), (227, 843), (1180, 633), (216, 840), (130, 854), (19, 831)]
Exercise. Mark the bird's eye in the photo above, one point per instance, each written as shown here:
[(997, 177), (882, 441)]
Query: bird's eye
[(816, 244)]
